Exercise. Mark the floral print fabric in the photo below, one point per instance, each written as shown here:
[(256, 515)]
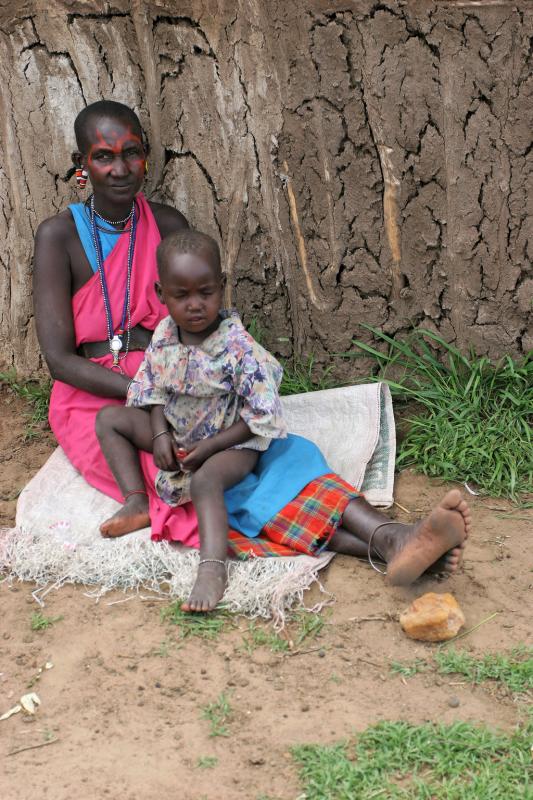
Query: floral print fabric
[(206, 388)]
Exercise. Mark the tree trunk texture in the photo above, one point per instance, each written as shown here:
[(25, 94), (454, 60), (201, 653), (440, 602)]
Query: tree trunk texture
[(358, 161)]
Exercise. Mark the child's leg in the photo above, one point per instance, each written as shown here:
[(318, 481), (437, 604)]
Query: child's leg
[(122, 432), (208, 484)]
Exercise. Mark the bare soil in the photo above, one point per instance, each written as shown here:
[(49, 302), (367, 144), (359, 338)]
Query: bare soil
[(121, 712)]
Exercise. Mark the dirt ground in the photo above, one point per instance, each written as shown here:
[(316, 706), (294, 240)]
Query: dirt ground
[(121, 712)]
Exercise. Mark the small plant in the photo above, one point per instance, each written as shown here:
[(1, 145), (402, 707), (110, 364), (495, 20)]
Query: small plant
[(309, 626), (36, 394), (261, 636), (219, 713), (39, 622), (515, 671), (304, 376), (207, 762), (475, 418), (409, 669), (192, 624)]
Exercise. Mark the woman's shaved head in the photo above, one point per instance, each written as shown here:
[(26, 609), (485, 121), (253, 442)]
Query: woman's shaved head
[(104, 108)]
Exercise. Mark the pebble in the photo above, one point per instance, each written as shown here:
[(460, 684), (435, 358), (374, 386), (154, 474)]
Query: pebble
[(321, 653), (454, 702), (304, 707)]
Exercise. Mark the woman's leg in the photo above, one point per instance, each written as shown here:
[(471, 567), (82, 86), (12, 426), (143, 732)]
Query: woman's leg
[(208, 485), (122, 432), (408, 550)]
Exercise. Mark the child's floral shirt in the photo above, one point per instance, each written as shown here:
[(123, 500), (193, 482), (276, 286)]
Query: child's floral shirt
[(206, 388)]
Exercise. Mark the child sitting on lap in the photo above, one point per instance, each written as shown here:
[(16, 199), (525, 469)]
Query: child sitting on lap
[(204, 401)]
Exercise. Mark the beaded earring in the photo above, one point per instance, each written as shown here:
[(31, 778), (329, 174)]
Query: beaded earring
[(81, 177)]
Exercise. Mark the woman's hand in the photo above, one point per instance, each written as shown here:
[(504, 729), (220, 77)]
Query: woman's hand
[(196, 457), (163, 450)]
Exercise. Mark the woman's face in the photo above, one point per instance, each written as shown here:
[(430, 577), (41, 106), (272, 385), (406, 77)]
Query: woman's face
[(115, 159)]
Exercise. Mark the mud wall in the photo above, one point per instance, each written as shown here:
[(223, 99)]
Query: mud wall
[(359, 161)]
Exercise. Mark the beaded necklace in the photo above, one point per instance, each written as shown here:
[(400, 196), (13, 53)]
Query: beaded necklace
[(115, 339)]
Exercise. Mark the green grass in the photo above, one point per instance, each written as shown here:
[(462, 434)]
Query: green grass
[(207, 762), (303, 375), (399, 761), (514, 670), (219, 714), (263, 636), (307, 626), (40, 623), (408, 669), (36, 394), (205, 626), (475, 418)]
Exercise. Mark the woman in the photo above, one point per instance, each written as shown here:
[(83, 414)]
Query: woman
[(95, 309)]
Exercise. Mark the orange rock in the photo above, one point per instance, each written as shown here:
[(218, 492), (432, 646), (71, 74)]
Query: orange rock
[(432, 618)]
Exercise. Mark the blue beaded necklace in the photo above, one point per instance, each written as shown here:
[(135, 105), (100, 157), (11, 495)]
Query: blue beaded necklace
[(115, 339)]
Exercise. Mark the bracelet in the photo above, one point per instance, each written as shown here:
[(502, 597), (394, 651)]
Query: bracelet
[(211, 561), (129, 385), (161, 433)]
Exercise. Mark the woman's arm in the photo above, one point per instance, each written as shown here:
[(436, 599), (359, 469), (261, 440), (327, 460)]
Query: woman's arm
[(53, 316)]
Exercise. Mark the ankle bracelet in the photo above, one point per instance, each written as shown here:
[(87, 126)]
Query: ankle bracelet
[(369, 550), (211, 561)]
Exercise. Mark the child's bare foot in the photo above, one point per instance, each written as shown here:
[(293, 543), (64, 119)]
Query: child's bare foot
[(438, 538), (133, 516), (208, 588)]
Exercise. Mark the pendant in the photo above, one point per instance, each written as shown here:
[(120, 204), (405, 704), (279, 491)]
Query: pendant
[(115, 345)]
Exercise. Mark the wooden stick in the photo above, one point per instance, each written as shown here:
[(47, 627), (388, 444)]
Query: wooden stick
[(32, 747), (403, 508), (465, 633), (387, 618)]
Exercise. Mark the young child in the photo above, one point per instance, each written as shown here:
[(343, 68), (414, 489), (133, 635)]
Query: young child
[(204, 401)]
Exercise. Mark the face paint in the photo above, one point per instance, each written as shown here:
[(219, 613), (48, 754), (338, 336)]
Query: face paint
[(119, 142), (115, 161)]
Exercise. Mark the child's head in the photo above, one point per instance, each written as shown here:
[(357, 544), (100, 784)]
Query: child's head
[(190, 280)]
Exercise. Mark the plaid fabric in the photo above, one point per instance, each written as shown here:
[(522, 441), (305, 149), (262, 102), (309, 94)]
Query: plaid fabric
[(305, 525)]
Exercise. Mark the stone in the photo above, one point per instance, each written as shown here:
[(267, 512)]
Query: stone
[(432, 618), (454, 702)]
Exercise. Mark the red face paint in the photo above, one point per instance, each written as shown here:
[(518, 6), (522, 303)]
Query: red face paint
[(116, 160)]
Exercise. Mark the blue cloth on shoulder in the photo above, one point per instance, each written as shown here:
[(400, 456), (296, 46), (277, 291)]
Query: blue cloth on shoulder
[(281, 473), (81, 217)]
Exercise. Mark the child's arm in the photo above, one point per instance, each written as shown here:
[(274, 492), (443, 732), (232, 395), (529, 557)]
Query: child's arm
[(238, 433), (162, 440)]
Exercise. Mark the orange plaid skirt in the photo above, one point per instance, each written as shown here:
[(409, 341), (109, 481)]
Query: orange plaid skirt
[(303, 526)]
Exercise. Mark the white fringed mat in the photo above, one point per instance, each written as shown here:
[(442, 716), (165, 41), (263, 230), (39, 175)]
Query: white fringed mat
[(56, 538)]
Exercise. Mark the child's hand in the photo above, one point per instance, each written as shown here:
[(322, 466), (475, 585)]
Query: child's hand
[(196, 457), (163, 451)]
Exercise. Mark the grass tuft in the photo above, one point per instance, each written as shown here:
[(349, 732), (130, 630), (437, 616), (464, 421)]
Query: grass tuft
[(36, 394), (513, 670), (303, 375), (475, 423), (207, 762), (219, 713), (40, 623), (205, 626), (399, 761)]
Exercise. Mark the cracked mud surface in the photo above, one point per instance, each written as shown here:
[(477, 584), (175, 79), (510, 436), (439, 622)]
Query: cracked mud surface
[(362, 162), (125, 695)]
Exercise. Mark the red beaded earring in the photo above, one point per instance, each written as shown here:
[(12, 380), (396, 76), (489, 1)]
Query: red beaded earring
[(81, 177)]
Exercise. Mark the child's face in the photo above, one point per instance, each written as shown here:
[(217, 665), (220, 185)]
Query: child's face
[(192, 291)]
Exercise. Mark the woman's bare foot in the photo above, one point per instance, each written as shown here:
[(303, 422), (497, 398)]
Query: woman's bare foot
[(208, 588), (449, 563), (438, 538), (133, 516)]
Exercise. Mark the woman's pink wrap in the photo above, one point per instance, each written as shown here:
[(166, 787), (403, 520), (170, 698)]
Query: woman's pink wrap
[(73, 411)]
